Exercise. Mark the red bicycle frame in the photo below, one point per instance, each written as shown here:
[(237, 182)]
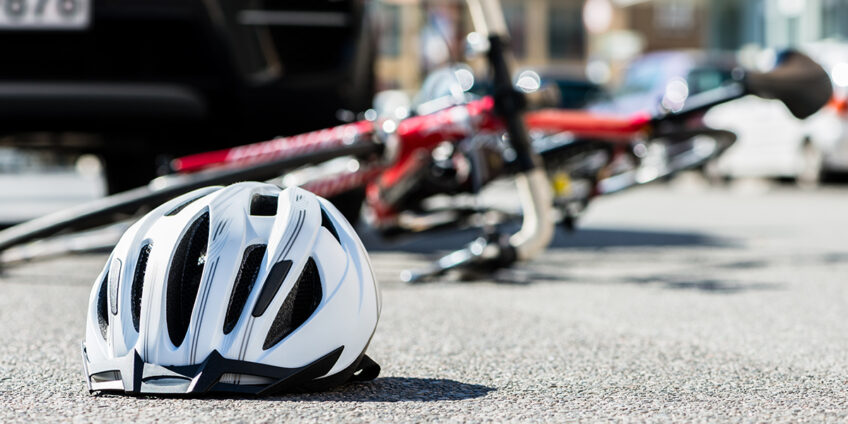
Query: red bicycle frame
[(410, 137), (419, 132)]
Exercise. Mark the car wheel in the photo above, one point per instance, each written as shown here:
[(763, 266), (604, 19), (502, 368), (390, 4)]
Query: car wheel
[(349, 204), (809, 176), (125, 170)]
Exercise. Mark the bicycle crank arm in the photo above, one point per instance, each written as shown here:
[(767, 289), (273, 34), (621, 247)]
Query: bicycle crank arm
[(444, 264), (483, 255)]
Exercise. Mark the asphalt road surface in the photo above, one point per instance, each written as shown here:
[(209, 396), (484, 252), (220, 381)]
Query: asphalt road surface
[(670, 305)]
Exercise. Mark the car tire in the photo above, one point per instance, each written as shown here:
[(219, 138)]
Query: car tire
[(349, 204), (810, 174), (125, 170)]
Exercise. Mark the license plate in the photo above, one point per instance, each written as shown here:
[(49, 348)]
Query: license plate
[(45, 14)]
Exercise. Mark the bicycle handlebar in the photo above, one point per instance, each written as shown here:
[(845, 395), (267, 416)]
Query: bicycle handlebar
[(797, 81)]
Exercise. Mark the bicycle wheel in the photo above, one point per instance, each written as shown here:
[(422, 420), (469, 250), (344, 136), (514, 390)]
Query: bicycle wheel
[(678, 151), (119, 206)]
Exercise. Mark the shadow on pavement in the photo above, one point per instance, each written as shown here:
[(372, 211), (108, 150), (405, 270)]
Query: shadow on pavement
[(399, 389), (709, 285), (601, 238), (580, 239), (384, 389)]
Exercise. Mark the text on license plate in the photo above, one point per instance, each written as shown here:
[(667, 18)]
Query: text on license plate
[(44, 14)]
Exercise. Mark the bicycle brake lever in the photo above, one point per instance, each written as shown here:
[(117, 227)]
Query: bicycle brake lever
[(485, 254)]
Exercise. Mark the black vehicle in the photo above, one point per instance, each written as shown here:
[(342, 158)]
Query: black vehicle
[(572, 92), (137, 80)]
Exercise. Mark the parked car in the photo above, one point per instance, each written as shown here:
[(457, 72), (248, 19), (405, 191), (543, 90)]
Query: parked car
[(132, 80), (573, 91), (773, 143), (650, 79)]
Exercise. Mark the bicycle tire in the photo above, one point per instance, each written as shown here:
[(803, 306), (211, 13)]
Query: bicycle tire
[(681, 161), (110, 209)]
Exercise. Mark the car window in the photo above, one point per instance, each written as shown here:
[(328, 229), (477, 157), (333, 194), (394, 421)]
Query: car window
[(642, 77), (703, 79), (576, 94)]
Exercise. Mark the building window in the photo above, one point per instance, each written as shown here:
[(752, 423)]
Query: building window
[(389, 27), (726, 18), (515, 22), (566, 37), (676, 16), (835, 18)]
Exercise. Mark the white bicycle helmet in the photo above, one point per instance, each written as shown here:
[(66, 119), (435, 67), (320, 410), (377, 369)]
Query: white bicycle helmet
[(244, 288)]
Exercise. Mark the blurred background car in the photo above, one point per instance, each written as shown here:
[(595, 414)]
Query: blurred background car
[(649, 80), (829, 128), (573, 90), (136, 81), (773, 144)]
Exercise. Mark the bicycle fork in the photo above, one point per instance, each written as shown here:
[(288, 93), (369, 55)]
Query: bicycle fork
[(534, 192)]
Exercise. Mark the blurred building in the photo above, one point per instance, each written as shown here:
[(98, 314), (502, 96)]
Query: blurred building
[(417, 35), (776, 23), (545, 33)]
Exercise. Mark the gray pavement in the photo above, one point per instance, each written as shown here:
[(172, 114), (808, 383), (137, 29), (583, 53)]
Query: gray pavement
[(673, 304)]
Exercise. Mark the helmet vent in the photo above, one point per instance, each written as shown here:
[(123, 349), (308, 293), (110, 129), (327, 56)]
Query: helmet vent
[(102, 305), (184, 278), (251, 261), (326, 223), (244, 379), (138, 283), (183, 205), (300, 303), (106, 376), (262, 205)]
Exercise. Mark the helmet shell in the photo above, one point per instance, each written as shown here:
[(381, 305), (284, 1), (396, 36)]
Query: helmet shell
[(244, 288)]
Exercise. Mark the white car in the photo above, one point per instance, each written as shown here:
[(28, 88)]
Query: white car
[(773, 143), (770, 141)]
